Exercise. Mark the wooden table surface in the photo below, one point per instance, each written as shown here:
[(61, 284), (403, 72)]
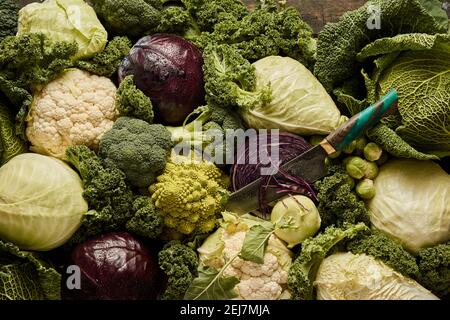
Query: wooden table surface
[(316, 12)]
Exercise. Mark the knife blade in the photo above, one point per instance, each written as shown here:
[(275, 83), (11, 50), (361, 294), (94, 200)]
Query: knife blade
[(310, 165)]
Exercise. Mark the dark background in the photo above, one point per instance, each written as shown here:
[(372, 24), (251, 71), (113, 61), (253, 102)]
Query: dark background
[(316, 12)]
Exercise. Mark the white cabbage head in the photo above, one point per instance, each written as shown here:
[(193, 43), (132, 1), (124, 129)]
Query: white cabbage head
[(41, 202), (300, 103), (345, 276), (412, 203)]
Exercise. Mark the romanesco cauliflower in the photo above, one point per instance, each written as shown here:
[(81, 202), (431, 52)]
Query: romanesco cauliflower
[(190, 195)]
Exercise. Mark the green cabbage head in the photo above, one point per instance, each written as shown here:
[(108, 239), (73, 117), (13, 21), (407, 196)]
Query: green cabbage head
[(421, 76), (41, 202), (65, 20)]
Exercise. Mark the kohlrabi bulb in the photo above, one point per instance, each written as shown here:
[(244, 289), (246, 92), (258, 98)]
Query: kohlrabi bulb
[(295, 218)]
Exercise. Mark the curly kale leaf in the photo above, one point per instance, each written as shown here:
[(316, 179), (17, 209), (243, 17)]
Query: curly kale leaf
[(434, 269), (337, 203), (304, 268), (132, 102), (379, 246), (8, 18), (179, 262), (107, 62), (230, 79)]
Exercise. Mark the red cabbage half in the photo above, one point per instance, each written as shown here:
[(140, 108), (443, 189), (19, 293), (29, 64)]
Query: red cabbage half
[(243, 172), (168, 69)]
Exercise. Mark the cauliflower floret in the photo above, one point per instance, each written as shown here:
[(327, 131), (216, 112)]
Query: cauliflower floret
[(77, 108), (266, 281)]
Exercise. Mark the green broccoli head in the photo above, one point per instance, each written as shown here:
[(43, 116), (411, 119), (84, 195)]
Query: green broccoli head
[(132, 102), (107, 62), (137, 148), (179, 262), (379, 246), (337, 203), (434, 269), (147, 220), (213, 122), (8, 18), (304, 268), (227, 118), (133, 18)]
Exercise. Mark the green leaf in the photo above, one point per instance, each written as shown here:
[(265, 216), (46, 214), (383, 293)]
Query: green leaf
[(390, 141), (340, 42), (255, 242), (10, 144), (434, 8), (26, 276), (17, 282), (211, 285)]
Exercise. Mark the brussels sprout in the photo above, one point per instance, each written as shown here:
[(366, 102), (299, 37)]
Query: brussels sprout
[(356, 167), (349, 149), (371, 171), (365, 189), (348, 159), (372, 151), (360, 145)]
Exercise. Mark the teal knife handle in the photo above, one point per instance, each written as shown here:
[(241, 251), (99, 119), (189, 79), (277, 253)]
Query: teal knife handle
[(363, 121)]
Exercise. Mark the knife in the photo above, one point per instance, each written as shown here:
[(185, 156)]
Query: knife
[(311, 164)]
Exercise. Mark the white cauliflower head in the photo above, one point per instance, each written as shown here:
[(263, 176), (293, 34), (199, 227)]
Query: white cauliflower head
[(76, 108), (266, 281)]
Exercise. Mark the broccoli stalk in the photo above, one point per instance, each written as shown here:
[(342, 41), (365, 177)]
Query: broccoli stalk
[(434, 269), (208, 131), (303, 270), (188, 133)]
